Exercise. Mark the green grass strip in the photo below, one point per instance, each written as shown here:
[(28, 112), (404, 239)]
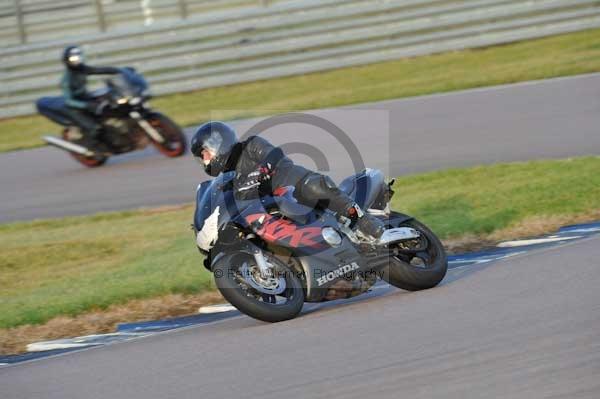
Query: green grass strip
[(72, 265)]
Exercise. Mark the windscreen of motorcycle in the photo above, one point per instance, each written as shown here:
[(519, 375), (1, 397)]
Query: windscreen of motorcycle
[(128, 83)]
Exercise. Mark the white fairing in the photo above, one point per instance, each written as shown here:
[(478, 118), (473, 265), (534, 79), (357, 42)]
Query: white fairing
[(207, 237)]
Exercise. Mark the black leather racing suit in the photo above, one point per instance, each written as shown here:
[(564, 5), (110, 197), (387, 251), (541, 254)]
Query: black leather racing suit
[(262, 168), (78, 100)]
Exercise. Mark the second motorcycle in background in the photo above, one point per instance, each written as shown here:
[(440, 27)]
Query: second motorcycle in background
[(128, 123)]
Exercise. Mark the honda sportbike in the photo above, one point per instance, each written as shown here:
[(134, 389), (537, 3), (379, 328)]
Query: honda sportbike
[(270, 255), (128, 123)]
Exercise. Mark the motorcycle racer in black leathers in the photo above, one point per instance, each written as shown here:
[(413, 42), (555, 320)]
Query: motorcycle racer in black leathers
[(79, 104), (263, 168)]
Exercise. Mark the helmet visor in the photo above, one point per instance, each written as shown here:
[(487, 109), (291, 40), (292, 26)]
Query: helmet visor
[(213, 143), (210, 149), (75, 57)]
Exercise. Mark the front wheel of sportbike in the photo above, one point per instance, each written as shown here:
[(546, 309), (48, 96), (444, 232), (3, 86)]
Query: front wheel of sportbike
[(91, 162), (271, 298), (175, 142), (416, 264)]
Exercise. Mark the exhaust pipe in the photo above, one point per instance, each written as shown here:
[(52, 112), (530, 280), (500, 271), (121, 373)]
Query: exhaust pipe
[(68, 146), (398, 234)]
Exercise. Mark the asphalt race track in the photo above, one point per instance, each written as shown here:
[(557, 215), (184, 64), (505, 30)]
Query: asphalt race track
[(524, 327), (551, 119)]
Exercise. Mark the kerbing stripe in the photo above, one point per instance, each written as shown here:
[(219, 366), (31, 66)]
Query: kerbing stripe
[(216, 309)]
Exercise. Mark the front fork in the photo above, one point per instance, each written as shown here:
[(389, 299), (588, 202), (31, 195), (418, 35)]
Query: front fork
[(148, 128), (265, 270)]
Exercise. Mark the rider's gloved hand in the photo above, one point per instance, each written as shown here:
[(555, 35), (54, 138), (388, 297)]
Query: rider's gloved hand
[(266, 172), (248, 186), (248, 183)]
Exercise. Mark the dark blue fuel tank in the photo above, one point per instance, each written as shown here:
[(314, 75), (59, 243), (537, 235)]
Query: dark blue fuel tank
[(364, 187)]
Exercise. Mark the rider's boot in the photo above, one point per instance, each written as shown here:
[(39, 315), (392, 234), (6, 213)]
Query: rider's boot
[(368, 225)]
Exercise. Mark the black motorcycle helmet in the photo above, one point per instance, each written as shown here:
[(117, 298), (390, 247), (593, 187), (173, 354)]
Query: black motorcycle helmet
[(218, 138), (73, 57)]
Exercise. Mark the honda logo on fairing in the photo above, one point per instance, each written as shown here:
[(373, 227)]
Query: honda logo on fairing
[(337, 273)]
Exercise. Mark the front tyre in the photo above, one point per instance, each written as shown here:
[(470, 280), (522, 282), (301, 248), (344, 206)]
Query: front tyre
[(416, 264), (175, 142), (270, 299)]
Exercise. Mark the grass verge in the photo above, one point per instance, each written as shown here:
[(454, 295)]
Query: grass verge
[(561, 55), (73, 266)]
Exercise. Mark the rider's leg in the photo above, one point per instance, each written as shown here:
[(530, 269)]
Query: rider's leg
[(323, 188), (315, 189), (89, 127), (53, 109)]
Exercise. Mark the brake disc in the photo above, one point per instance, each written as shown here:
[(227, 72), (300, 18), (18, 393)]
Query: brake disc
[(271, 285)]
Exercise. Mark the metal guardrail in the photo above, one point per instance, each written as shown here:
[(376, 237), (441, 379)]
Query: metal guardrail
[(291, 37), (26, 21)]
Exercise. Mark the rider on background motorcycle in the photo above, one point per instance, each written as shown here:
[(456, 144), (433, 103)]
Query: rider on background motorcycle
[(262, 168), (80, 105)]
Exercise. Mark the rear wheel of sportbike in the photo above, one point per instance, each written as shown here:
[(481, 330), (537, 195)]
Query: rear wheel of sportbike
[(272, 298), (416, 264), (91, 162), (175, 142)]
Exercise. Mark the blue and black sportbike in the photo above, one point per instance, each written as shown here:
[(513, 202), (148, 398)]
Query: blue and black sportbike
[(271, 254)]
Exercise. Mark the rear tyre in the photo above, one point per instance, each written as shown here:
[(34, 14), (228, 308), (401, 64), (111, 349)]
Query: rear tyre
[(237, 278), (175, 142), (91, 162), (417, 264)]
